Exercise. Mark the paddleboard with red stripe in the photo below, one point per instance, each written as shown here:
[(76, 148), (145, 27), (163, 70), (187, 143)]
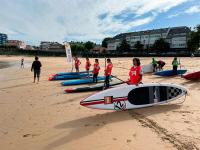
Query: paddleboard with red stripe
[(131, 97)]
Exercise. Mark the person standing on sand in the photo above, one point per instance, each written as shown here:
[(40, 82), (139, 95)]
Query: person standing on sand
[(108, 72), (22, 62), (154, 63), (36, 65), (96, 70), (77, 63), (87, 66), (135, 73), (175, 64)]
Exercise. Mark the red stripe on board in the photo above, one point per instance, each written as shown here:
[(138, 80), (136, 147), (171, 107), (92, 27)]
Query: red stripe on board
[(102, 101)]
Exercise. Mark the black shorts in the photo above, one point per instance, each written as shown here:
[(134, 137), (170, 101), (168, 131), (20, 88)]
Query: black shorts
[(36, 73)]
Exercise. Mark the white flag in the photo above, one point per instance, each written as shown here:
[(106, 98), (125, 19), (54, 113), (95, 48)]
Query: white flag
[(68, 52)]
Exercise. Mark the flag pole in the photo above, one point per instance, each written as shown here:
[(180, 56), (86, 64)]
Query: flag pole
[(68, 54)]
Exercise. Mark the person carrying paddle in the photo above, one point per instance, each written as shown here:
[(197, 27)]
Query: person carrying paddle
[(175, 64), (135, 73), (108, 72), (36, 65), (77, 63), (161, 64), (96, 70), (87, 66), (154, 63)]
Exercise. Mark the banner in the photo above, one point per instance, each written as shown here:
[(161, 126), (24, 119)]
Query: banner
[(68, 52)]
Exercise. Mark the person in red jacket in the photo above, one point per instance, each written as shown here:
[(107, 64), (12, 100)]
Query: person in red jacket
[(77, 63), (96, 70), (108, 72), (135, 73), (87, 66), (161, 64)]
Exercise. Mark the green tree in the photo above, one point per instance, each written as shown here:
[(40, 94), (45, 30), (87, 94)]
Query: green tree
[(89, 45), (194, 39), (139, 46), (105, 42), (124, 46), (78, 48), (160, 45)]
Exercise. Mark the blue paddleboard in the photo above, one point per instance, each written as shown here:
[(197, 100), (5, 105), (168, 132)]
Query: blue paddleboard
[(70, 73), (170, 72), (81, 81), (69, 76)]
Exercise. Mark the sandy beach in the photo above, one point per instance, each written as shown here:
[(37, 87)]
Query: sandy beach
[(42, 117)]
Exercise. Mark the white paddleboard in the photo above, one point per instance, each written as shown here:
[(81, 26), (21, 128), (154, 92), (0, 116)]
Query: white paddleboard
[(131, 96), (147, 68)]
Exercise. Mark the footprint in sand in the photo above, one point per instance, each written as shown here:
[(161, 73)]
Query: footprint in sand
[(4, 132), (115, 139), (186, 121), (134, 135), (128, 140), (190, 129), (30, 135), (86, 125), (104, 122)]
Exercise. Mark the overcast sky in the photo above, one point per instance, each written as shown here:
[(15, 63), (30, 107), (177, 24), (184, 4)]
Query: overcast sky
[(80, 20)]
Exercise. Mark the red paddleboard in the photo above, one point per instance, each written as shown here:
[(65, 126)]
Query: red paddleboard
[(192, 76)]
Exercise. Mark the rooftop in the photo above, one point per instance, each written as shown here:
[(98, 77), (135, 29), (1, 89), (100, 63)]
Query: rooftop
[(173, 30)]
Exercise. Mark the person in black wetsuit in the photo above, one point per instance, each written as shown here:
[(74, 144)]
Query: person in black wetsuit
[(36, 65)]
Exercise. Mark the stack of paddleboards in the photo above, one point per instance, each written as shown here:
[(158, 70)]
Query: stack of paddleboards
[(171, 72), (82, 81), (95, 87), (130, 96), (68, 75)]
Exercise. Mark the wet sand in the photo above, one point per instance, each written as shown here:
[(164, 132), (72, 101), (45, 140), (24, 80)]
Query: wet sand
[(41, 117), (4, 64)]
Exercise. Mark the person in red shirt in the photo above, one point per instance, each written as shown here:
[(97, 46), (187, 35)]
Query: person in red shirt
[(77, 63), (135, 73), (96, 70), (108, 72), (87, 66), (161, 64)]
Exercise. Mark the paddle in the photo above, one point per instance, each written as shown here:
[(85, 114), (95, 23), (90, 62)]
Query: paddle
[(119, 79), (105, 69), (72, 66), (123, 68)]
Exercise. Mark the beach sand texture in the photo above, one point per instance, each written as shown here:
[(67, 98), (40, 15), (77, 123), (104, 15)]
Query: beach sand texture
[(41, 117)]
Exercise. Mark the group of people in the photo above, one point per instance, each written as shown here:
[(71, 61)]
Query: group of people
[(135, 72), (158, 65), (96, 69)]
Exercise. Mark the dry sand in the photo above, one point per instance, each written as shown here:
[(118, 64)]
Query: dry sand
[(41, 117)]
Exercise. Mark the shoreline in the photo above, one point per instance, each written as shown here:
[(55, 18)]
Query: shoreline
[(5, 64)]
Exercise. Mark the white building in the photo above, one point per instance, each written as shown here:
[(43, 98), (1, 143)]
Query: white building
[(16, 43), (175, 36), (52, 46)]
